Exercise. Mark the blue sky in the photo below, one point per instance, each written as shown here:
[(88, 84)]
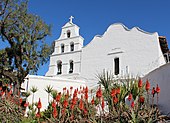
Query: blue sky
[(94, 16)]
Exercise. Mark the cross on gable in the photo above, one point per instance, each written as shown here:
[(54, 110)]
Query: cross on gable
[(71, 19)]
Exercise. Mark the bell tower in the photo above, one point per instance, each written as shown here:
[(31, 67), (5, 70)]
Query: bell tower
[(66, 58)]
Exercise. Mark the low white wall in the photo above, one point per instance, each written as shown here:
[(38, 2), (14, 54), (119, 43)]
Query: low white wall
[(161, 76), (41, 83)]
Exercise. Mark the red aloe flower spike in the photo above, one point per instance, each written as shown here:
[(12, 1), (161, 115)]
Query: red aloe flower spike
[(140, 83), (72, 106), (63, 111), (81, 105), (55, 113), (118, 90), (20, 100), (103, 104), (85, 111), (115, 99), (38, 115), (26, 104), (141, 99), (71, 88), (86, 89), (39, 104), (64, 89), (67, 92), (99, 93), (147, 87), (130, 97), (132, 104), (65, 103), (113, 93), (153, 91), (54, 104), (86, 96), (58, 97), (158, 89), (92, 101)]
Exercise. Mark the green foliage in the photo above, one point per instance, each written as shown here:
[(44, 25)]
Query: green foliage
[(9, 111), (25, 34)]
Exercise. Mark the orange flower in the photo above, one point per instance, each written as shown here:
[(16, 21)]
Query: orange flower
[(147, 87), (92, 101), (39, 105), (38, 115), (65, 103), (20, 100), (64, 89), (63, 111), (118, 90), (130, 97), (53, 104), (86, 89), (140, 83), (86, 96), (54, 113), (103, 104), (153, 91), (115, 99), (72, 106), (67, 92), (141, 99), (158, 89), (85, 111), (74, 101), (71, 88), (81, 105), (26, 104), (99, 93), (58, 97), (113, 93), (132, 104)]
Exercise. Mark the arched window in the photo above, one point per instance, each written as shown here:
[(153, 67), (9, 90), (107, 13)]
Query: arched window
[(62, 48), (59, 67), (116, 63), (71, 66), (68, 33), (72, 46)]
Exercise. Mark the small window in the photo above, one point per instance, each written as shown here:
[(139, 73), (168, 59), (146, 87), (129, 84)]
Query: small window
[(71, 46), (68, 34), (62, 48), (59, 67), (116, 63), (71, 67)]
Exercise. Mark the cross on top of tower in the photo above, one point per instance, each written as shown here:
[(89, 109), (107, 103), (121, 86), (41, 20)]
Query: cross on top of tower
[(71, 19)]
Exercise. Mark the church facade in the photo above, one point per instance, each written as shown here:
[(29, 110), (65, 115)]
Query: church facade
[(119, 50)]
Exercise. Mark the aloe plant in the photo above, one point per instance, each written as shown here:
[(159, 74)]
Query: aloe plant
[(49, 89), (33, 90)]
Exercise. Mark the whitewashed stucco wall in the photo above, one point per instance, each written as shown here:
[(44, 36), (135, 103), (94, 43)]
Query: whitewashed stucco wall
[(161, 76), (137, 50), (41, 83)]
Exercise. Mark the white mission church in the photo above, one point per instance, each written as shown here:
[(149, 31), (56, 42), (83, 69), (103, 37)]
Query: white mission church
[(120, 50)]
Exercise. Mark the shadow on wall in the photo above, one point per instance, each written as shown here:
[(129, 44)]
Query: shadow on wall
[(161, 76)]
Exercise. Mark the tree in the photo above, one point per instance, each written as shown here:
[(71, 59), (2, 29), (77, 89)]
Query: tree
[(25, 33)]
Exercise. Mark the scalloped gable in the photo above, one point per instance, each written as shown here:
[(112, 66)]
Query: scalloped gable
[(120, 26)]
